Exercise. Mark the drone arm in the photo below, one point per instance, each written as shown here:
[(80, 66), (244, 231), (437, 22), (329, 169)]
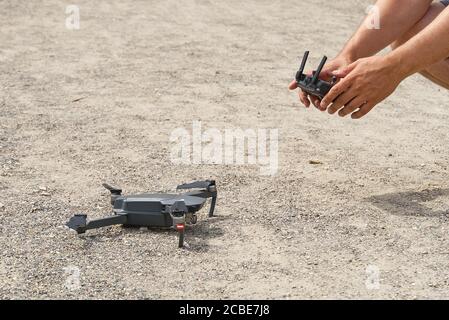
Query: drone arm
[(105, 222), (78, 222)]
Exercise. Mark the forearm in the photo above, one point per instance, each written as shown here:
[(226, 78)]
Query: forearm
[(428, 47), (395, 17)]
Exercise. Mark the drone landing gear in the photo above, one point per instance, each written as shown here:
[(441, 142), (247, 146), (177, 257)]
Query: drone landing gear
[(181, 230), (212, 205), (178, 213)]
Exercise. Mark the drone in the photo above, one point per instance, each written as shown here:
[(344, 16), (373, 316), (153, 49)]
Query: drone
[(312, 84), (153, 210)]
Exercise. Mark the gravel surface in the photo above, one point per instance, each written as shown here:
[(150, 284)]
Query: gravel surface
[(358, 209)]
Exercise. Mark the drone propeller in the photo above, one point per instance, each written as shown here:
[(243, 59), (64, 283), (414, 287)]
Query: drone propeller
[(197, 185), (114, 191), (208, 189)]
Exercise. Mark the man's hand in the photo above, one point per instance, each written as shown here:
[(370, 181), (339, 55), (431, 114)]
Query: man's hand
[(338, 63), (365, 83)]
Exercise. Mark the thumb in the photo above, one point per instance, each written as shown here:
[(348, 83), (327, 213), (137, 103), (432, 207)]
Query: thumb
[(341, 73), (293, 85), (326, 74)]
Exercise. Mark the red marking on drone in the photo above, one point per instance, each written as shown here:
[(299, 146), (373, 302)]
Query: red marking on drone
[(180, 227)]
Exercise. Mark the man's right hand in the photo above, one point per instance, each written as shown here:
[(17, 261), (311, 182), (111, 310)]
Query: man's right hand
[(338, 63)]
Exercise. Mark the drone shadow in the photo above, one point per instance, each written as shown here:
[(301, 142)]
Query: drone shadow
[(411, 203), (198, 235)]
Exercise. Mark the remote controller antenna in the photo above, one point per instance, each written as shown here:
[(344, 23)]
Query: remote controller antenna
[(303, 62), (318, 71)]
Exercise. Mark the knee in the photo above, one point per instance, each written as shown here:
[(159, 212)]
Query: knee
[(406, 36), (434, 10)]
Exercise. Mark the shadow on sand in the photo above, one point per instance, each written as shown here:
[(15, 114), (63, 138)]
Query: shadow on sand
[(411, 203)]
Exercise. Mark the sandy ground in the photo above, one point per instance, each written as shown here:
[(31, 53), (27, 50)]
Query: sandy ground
[(82, 107)]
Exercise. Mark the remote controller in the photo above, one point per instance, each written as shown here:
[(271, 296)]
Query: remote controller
[(312, 84)]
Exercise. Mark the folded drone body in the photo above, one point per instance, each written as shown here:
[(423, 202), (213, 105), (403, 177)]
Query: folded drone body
[(157, 210)]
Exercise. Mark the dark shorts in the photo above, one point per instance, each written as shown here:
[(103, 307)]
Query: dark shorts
[(445, 2)]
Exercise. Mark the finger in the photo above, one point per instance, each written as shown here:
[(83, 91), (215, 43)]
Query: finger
[(336, 91), (351, 106), (341, 73), (301, 98), (316, 102), (326, 74), (341, 101), (363, 111), (293, 85), (304, 98)]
